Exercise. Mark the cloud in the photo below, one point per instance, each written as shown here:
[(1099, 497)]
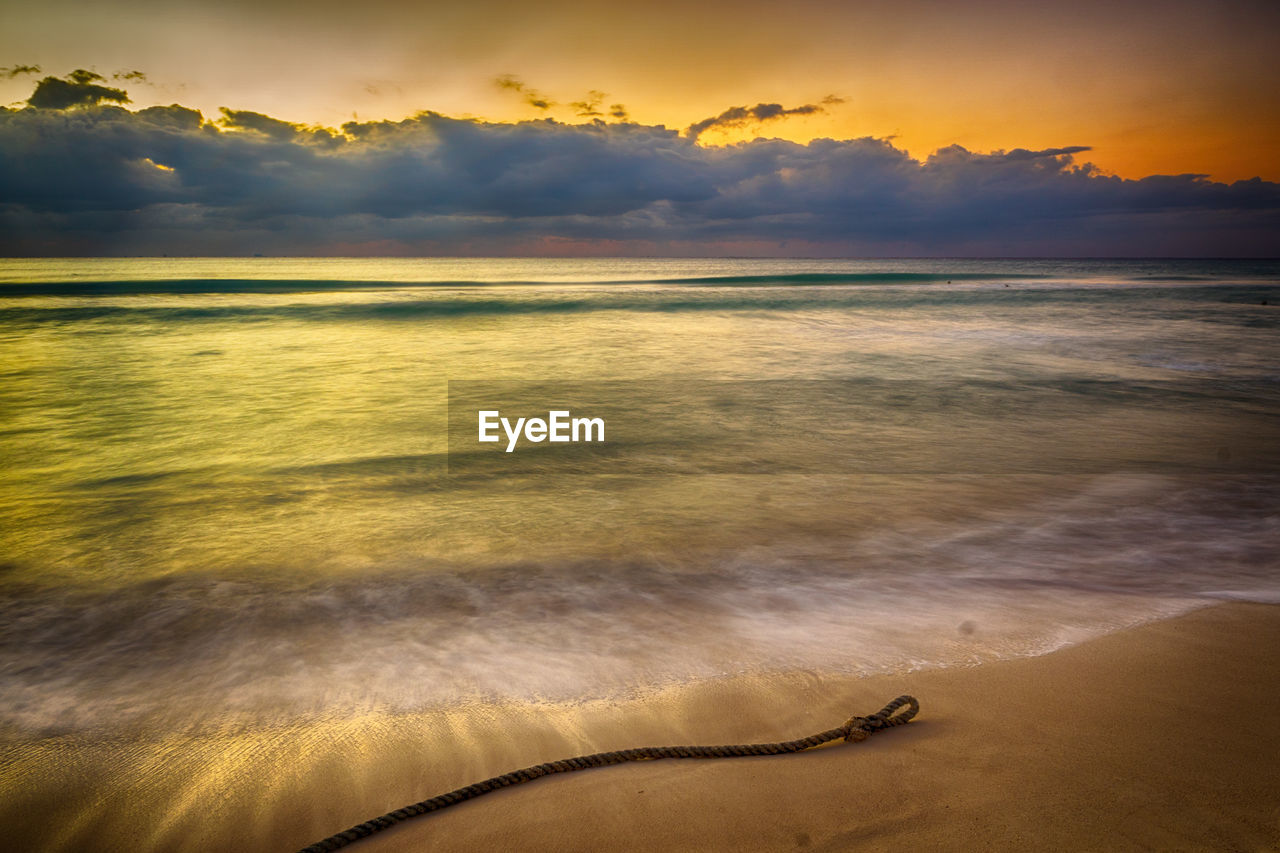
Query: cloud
[(509, 81), (106, 180), (742, 116), (532, 97), (78, 89), (173, 116), (274, 128), (264, 124), (15, 70), (589, 107), (131, 76)]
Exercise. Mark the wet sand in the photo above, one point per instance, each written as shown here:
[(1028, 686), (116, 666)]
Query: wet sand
[(1161, 737)]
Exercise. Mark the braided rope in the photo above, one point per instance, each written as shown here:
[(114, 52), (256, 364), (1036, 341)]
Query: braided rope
[(855, 729)]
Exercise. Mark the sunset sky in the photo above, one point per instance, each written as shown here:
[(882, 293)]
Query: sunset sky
[(1135, 89)]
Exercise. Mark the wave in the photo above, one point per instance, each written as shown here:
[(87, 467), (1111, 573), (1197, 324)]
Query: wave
[(803, 279), (266, 644), (228, 285), (221, 285), (661, 301), (192, 647)]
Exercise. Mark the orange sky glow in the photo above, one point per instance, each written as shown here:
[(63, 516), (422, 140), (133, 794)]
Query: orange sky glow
[(1152, 88)]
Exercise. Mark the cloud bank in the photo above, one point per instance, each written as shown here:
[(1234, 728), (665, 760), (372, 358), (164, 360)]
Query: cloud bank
[(99, 179)]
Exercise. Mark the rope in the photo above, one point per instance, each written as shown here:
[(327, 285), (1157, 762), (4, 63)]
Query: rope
[(854, 729)]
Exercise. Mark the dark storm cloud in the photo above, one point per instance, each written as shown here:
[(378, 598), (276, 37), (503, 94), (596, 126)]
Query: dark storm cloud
[(16, 70), (78, 89), (743, 116), (106, 180)]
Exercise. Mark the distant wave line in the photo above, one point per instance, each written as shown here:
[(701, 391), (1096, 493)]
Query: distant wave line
[(17, 314), (219, 285)]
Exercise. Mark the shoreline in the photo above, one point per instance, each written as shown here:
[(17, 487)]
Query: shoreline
[(1162, 736)]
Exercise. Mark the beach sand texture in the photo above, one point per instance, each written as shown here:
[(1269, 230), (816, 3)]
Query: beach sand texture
[(1161, 737)]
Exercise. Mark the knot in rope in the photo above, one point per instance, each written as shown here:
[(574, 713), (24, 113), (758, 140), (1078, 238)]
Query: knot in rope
[(860, 728), (856, 729)]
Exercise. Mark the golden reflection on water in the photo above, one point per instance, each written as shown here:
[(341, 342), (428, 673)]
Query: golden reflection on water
[(284, 452), (151, 447)]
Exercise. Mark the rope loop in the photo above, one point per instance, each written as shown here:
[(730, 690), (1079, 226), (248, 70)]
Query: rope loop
[(885, 717)]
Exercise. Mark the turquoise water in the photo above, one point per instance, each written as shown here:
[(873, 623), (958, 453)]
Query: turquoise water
[(226, 490)]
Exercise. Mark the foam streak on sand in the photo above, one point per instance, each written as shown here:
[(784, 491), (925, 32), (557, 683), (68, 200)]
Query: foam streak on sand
[(1159, 737)]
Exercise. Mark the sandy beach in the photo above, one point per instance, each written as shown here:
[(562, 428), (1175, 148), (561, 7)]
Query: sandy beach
[(1160, 737)]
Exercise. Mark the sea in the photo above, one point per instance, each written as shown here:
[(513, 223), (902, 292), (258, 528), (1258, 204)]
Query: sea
[(239, 491)]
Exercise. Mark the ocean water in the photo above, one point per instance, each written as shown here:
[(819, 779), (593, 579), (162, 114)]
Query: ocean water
[(230, 491)]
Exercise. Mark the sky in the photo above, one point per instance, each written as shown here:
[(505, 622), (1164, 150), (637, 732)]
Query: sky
[(810, 127)]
